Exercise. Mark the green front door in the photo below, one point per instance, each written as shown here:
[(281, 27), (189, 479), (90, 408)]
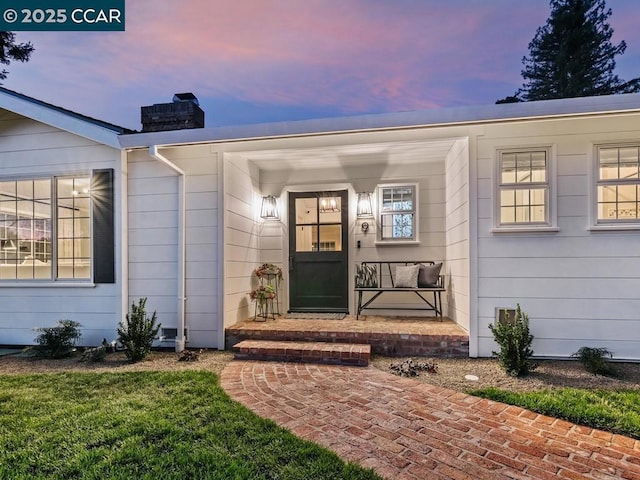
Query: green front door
[(318, 273)]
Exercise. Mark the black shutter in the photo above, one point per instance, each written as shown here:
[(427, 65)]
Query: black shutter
[(103, 226)]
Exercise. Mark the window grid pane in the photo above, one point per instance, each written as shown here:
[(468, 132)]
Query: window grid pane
[(397, 212), (618, 189), (25, 229), (74, 232), (524, 188), (395, 199), (397, 226)]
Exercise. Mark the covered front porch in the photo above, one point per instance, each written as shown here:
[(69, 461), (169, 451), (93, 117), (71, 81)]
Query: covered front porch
[(424, 174), (392, 336)]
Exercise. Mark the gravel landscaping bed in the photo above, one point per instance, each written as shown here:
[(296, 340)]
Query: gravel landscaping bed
[(548, 374), (451, 372)]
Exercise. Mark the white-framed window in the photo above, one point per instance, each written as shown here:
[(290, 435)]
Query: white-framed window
[(45, 228), (524, 188), (618, 184), (398, 213)]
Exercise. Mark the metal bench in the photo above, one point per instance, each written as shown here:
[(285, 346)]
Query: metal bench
[(386, 282)]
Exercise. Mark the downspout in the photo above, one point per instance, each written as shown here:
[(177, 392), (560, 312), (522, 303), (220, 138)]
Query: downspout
[(182, 237)]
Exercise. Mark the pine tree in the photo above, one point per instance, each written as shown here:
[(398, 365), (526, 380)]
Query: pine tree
[(10, 50), (572, 55)]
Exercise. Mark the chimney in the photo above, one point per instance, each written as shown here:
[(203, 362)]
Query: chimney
[(183, 112)]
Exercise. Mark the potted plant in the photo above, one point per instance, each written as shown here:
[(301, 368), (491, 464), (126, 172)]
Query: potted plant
[(262, 296), (268, 269), (269, 276)]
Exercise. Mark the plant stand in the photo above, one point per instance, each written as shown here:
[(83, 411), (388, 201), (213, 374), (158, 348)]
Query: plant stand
[(264, 311), (266, 295), (271, 278)]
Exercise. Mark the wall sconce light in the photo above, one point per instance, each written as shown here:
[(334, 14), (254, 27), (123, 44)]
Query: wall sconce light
[(269, 210), (364, 210)]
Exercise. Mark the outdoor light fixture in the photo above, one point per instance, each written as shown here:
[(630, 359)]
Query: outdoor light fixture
[(365, 210), (269, 210)]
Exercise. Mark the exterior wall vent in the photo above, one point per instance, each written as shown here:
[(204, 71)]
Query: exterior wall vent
[(500, 314), (170, 334), (183, 112)]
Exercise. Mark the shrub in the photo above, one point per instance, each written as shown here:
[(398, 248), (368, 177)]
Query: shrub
[(595, 360), (515, 343), (137, 334), (58, 341)]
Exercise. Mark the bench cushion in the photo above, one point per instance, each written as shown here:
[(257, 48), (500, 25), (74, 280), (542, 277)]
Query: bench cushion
[(428, 275), (407, 276)]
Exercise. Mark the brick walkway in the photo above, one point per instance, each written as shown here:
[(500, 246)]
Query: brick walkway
[(408, 430)]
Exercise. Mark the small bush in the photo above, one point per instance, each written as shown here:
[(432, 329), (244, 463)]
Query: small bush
[(138, 332), (515, 343), (58, 341), (595, 360)]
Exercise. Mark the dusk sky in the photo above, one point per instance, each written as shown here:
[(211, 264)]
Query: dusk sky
[(251, 61)]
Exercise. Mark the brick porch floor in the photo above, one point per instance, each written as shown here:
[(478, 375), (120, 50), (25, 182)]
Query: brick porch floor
[(394, 336)]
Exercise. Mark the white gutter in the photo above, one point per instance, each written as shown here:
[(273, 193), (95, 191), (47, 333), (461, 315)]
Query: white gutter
[(182, 240)]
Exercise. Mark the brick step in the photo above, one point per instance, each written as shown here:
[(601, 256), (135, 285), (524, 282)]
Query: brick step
[(451, 343), (309, 352)]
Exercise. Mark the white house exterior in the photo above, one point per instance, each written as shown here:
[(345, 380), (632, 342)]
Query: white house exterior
[(47, 156), (533, 203)]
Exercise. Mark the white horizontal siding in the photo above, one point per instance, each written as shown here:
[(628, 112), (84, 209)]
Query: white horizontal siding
[(31, 149), (456, 267), (580, 288), (242, 247), (153, 239)]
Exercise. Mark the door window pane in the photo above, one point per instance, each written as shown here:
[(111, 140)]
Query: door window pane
[(329, 208), (318, 223), (306, 210), (330, 238), (306, 238)]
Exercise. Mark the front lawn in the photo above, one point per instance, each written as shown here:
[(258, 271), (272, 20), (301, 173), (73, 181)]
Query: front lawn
[(617, 411), (147, 425)]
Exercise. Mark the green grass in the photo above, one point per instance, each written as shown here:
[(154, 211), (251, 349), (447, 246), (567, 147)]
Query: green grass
[(616, 411), (147, 425)]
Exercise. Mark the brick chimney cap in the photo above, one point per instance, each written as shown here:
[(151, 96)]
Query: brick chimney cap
[(186, 97)]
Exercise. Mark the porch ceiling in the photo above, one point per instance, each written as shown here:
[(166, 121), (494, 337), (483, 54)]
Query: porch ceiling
[(388, 153)]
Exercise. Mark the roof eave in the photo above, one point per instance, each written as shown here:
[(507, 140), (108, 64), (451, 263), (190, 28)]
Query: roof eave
[(54, 117), (458, 116)]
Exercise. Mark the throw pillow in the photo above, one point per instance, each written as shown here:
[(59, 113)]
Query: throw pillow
[(366, 276), (407, 277), (429, 275)]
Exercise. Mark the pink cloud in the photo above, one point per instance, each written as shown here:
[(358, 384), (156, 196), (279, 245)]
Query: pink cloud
[(353, 55)]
